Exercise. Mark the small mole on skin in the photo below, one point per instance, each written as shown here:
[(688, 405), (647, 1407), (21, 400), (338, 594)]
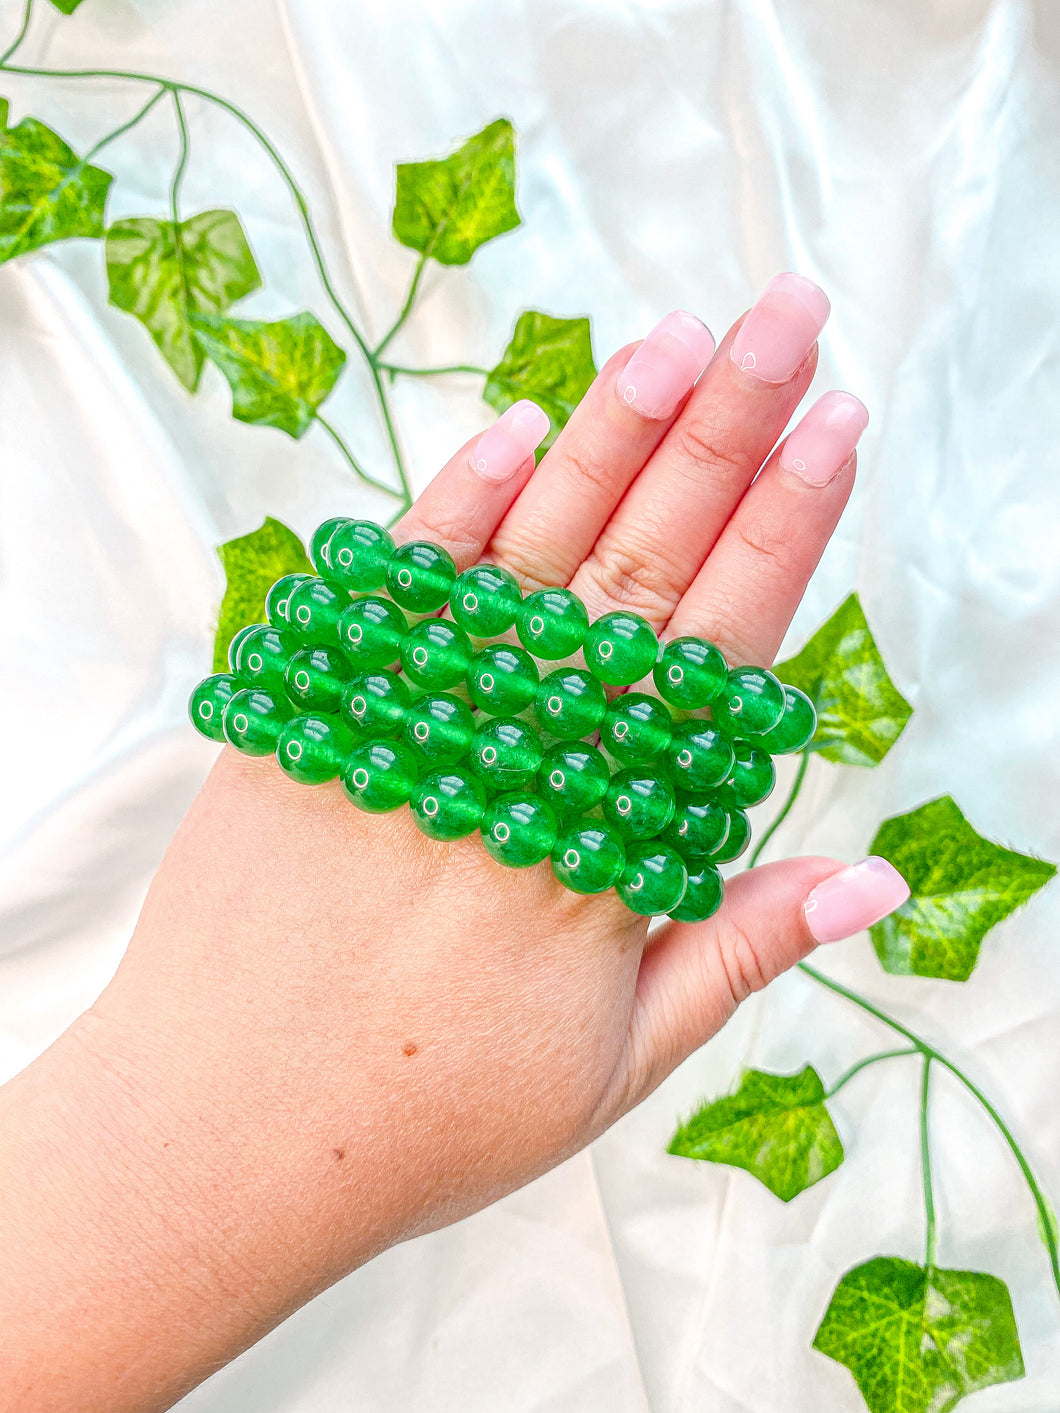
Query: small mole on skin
[(338, 1153), (409, 1047)]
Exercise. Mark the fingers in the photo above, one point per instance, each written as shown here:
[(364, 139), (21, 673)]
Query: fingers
[(611, 434), (693, 976), (465, 502), (745, 595), (674, 512)]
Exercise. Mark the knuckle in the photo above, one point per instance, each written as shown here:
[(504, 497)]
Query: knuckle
[(588, 473), (704, 444), (451, 532), (643, 582), (763, 540), (738, 953)]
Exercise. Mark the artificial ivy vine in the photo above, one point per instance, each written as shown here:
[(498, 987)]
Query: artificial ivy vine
[(916, 1338)]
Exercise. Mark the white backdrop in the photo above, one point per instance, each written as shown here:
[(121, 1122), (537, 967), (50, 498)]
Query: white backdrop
[(672, 153)]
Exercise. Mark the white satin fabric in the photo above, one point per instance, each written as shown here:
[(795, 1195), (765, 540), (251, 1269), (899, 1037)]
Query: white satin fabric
[(672, 154)]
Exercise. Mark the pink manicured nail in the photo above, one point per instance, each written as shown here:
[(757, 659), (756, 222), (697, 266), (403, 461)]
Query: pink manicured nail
[(666, 365), (781, 328), (818, 448), (850, 901), (515, 435)]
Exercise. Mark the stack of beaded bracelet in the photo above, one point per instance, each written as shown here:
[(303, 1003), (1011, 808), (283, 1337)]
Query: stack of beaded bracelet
[(453, 734)]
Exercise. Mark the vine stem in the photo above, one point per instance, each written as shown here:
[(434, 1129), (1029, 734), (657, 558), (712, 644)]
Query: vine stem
[(925, 1168), (395, 369), (16, 43), (349, 456), (800, 776), (125, 127), (174, 197), (417, 275), (864, 1064)]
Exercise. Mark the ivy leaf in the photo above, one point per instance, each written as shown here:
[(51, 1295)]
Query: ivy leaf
[(962, 885), (860, 712), (252, 564), (447, 209), (549, 361), (279, 373), (47, 192), (161, 283), (918, 1341), (775, 1126), (5, 108), (66, 6)]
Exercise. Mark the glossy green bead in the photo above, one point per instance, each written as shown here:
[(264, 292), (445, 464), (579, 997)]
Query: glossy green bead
[(751, 779), (279, 597), (485, 600), (371, 631), (235, 642), (312, 748), (502, 679), (698, 827), (253, 720), (736, 841), (263, 656), (654, 879), (638, 803), (507, 753), (208, 702), (313, 611), (447, 804), (796, 727), (690, 673), (375, 704), (380, 775), (318, 545), (519, 829), (636, 728), (436, 653), (703, 895), (357, 556), (589, 856), (316, 678), (420, 575), (751, 702), (570, 703), (699, 756), (573, 779), (620, 648), (440, 727), (552, 623)]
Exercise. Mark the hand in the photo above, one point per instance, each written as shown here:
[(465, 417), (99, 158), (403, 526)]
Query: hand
[(330, 1033)]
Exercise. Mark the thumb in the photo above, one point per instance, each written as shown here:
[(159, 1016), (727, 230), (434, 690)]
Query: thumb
[(694, 975)]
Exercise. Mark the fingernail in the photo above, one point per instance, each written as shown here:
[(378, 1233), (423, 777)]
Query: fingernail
[(850, 901), (515, 435), (818, 448), (772, 342), (666, 365)]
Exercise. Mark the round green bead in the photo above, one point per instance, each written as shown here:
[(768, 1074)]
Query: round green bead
[(440, 727), (639, 804), (796, 727), (235, 641), (703, 895), (690, 673), (654, 879), (313, 611), (485, 600), (519, 829), (447, 804), (636, 728), (420, 575), (588, 857), (316, 677), (375, 704), (737, 839), (620, 648), (380, 775), (436, 653), (318, 545), (751, 779), (570, 703), (751, 702), (699, 756), (371, 631), (263, 656), (573, 779), (699, 826), (507, 753), (357, 555), (253, 720), (502, 679), (208, 702), (553, 623), (279, 597), (312, 748)]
